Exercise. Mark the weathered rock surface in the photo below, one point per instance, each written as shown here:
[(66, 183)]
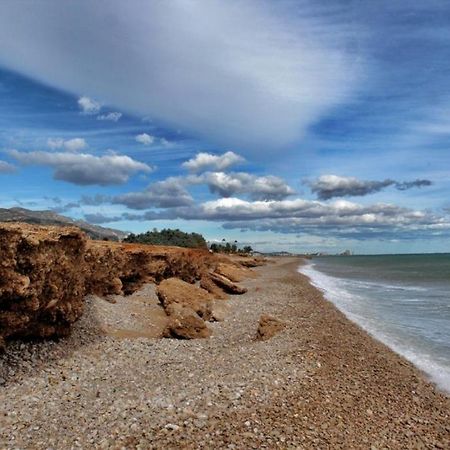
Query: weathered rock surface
[(185, 323), (233, 272), (268, 327), (42, 280), (208, 284), (174, 291), (45, 273), (228, 286)]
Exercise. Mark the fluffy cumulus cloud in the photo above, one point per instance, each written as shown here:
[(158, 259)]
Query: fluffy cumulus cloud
[(163, 194), (84, 169), (88, 106), (111, 116), (340, 218), (145, 139), (329, 186), (252, 73), (207, 161), (71, 145), (242, 183)]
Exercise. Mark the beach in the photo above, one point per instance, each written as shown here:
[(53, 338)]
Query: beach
[(321, 382)]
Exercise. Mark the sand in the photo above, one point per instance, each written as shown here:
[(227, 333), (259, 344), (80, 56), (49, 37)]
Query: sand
[(321, 382)]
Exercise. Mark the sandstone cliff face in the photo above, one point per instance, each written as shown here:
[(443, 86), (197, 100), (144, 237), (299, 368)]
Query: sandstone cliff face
[(45, 273), (42, 281)]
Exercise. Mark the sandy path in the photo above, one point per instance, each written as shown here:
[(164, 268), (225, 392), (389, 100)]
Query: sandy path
[(321, 383)]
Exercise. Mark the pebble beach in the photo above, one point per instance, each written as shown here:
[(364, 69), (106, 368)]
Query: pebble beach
[(321, 382)]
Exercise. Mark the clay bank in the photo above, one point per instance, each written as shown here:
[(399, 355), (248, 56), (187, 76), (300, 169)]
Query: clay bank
[(47, 272)]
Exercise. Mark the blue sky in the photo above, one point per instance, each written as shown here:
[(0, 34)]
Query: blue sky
[(290, 125)]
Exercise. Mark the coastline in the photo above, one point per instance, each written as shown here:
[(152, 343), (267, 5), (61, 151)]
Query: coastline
[(323, 382)]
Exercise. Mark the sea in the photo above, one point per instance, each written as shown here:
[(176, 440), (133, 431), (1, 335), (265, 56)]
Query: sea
[(401, 300)]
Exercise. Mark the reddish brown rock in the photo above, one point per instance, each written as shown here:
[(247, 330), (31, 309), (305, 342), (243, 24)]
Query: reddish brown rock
[(42, 280), (174, 291), (185, 323), (45, 273), (207, 284), (268, 327), (233, 272), (228, 286)]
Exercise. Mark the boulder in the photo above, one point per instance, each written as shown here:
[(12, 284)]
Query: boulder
[(228, 286), (174, 291), (233, 272), (268, 327), (207, 284), (185, 323)]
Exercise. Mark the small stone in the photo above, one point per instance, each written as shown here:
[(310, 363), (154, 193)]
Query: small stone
[(172, 427)]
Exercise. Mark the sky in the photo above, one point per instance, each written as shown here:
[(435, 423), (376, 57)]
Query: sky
[(294, 125)]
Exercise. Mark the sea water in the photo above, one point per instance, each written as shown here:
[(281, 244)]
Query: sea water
[(402, 300)]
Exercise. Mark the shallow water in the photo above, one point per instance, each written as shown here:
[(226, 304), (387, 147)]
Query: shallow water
[(403, 300)]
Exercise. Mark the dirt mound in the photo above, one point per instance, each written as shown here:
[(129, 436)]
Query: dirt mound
[(268, 327)]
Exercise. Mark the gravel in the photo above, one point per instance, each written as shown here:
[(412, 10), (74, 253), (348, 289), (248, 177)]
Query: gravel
[(320, 383)]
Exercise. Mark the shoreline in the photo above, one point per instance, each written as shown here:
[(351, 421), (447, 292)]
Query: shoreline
[(322, 382), (429, 376)]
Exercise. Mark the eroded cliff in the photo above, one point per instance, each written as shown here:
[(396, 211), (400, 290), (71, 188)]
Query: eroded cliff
[(45, 273)]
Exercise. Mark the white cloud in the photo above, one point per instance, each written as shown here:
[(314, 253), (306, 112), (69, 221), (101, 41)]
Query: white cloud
[(203, 161), (168, 193), (112, 116), (88, 106), (84, 169), (329, 186), (251, 74), (6, 167), (71, 145), (242, 183), (145, 139)]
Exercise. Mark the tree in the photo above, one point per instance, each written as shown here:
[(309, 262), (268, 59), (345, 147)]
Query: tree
[(168, 237)]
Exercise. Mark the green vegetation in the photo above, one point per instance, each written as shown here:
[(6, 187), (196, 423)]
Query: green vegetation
[(230, 248), (168, 237)]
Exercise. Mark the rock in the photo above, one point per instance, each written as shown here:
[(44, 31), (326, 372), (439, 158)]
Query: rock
[(185, 323), (268, 327), (233, 272), (174, 291), (216, 292), (227, 285), (219, 311), (41, 280)]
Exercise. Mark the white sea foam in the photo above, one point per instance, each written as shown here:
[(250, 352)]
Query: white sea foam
[(357, 308)]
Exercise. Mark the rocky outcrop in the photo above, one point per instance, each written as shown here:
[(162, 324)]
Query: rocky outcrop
[(228, 286), (233, 272), (42, 280), (208, 284), (174, 293), (184, 323), (268, 327), (45, 273)]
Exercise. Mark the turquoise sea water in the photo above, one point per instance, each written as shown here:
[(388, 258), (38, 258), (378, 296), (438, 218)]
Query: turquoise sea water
[(403, 300)]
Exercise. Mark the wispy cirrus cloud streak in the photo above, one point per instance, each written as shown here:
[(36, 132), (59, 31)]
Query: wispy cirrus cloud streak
[(250, 73), (330, 186)]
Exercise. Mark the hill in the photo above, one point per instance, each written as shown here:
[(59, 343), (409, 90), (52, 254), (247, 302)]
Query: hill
[(51, 218)]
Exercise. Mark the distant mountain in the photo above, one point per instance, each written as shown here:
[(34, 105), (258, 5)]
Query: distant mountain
[(51, 218)]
